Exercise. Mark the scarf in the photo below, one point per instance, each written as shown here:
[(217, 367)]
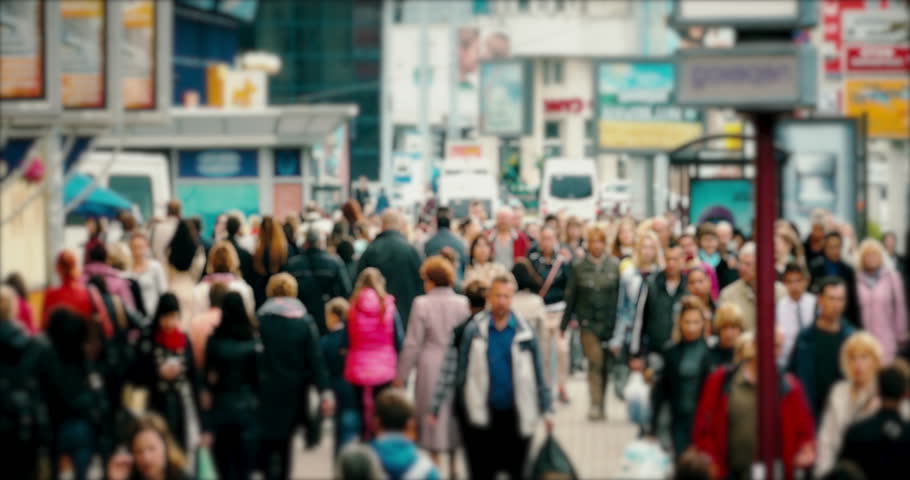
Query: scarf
[(173, 339), (870, 279), (712, 259)]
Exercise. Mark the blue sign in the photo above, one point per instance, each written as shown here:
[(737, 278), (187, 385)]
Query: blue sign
[(640, 91), (287, 162), (218, 163)]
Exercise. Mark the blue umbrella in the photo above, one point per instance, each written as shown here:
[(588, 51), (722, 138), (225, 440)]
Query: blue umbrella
[(101, 202)]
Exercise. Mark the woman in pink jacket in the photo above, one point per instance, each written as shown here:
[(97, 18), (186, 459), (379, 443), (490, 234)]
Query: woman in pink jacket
[(881, 299), (374, 336)]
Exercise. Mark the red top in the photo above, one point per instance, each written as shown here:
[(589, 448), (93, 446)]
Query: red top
[(71, 294)]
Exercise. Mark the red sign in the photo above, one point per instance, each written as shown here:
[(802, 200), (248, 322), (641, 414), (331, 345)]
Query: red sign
[(567, 105), (832, 34), (878, 58)]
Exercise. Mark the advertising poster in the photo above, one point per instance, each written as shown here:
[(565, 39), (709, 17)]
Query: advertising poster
[(635, 107), (208, 200), (138, 54), (504, 98), (885, 101), (713, 200), (821, 170), (82, 53), (21, 50)]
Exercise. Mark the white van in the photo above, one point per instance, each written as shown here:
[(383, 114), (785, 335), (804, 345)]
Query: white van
[(140, 177), (458, 188), (570, 185)]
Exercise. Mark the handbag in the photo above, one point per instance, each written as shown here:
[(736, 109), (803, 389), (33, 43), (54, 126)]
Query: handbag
[(553, 463), (205, 465)]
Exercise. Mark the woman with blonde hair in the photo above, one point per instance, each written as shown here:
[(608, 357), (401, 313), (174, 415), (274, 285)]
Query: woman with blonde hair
[(153, 453), (270, 257), (433, 317), (880, 292), (374, 336), (624, 240), (223, 267), (647, 259), (852, 399)]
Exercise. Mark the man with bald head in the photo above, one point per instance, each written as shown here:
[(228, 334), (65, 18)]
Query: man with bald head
[(742, 291), (508, 243), (397, 260)]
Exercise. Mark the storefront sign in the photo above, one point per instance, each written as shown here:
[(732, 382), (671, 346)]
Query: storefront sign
[(877, 26), (22, 66), (636, 110), (776, 78), (82, 53), (505, 98), (885, 101), (139, 54), (876, 58), (217, 163), (566, 105), (229, 88), (832, 35), (754, 13)]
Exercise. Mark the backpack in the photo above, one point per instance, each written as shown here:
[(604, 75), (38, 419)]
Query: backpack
[(23, 413)]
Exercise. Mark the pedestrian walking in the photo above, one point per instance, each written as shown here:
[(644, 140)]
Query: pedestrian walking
[(291, 362), (203, 324), (233, 227), (375, 336), (653, 324), (348, 423), (851, 400), (23, 311), (831, 264), (71, 293), (223, 267), (270, 257), (742, 291), (505, 395), (527, 302), (116, 282), (692, 260), (186, 261), (147, 271), (153, 454), (433, 316), (687, 364), (507, 244), (880, 290), (480, 266), (394, 445), (795, 311), (553, 264), (320, 276), (816, 352), (647, 258), (592, 298), (710, 252), (163, 232), (729, 325), (231, 389), (699, 285)]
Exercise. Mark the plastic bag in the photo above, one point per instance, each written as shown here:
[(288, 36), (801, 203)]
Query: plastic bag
[(205, 465), (638, 402), (645, 460), (552, 463)]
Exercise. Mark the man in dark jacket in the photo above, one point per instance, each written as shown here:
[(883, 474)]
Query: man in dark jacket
[(657, 300), (292, 361), (320, 277), (398, 262), (879, 445), (444, 237), (815, 358), (831, 265), (246, 259)]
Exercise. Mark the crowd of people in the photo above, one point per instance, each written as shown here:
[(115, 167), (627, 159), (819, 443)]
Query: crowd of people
[(164, 343)]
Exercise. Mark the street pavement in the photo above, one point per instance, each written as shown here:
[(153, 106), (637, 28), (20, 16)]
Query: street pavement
[(595, 448)]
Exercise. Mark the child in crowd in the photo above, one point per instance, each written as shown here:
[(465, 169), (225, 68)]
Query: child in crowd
[(795, 311), (394, 443), (335, 349)]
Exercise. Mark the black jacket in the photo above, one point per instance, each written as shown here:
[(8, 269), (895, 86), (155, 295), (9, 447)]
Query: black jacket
[(335, 352), (654, 319), (30, 388), (848, 275), (291, 362), (232, 378), (879, 445), (543, 266), (399, 263), (320, 277), (246, 261), (681, 388)]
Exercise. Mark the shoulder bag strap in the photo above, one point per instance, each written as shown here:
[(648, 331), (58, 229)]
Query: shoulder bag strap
[(551, 276)]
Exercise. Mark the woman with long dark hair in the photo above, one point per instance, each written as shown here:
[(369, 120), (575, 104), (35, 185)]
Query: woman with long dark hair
[(270, 257), (186, 259), (231, 390), (167, 369)]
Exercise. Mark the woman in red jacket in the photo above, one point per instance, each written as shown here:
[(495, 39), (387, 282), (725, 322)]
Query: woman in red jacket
[(730, 392), (71, 293)]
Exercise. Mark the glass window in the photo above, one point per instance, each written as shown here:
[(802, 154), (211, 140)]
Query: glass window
[(571, 186), (287, 162), (551, 151), (552, 129), (135, 188), (552, 72), (524, 5)]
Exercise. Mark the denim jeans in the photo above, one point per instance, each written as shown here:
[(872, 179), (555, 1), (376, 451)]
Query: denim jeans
[(76, 437)]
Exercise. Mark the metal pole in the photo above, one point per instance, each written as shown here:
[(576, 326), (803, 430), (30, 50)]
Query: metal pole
[(453, 74), (766, 213), (385, 100), (53, 210), (424, 91)]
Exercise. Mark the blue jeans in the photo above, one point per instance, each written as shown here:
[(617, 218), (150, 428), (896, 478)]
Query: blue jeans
[(76, 438)]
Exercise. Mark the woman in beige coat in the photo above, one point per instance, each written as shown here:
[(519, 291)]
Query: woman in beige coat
[(850, 400)]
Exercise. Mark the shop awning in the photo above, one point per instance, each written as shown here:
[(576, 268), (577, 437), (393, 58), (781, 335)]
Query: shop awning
[(101, 202), (290, 125)]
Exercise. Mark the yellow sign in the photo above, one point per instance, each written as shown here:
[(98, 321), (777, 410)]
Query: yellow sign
[(138, 54), (236, 88), (886, 102), (620, 135)]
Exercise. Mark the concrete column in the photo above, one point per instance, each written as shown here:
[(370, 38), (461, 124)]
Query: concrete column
[(266, 161)]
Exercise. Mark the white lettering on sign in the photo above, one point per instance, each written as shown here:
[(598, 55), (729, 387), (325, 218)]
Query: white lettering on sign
[(218, 163), (734, 12), (723, 80)]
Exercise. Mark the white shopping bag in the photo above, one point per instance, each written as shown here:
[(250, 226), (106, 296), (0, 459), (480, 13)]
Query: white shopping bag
[(643, 459)]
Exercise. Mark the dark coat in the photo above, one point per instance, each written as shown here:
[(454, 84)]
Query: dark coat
[(335, 351), (246, 261), (654, 319), (592, 295), (672, 383), (879, 445), (802, 360), (291, 362), (445, 238), (232, 379), (848, 275), (399, 263), (543, 266), (320, 277)]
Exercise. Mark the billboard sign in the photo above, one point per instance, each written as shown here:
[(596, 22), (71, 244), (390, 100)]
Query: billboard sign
[(29, 71), (755, 14), (138, 54), (886, 102), (878, 59), (505, 98), (83, 53), (635, 103), (713, 200)]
